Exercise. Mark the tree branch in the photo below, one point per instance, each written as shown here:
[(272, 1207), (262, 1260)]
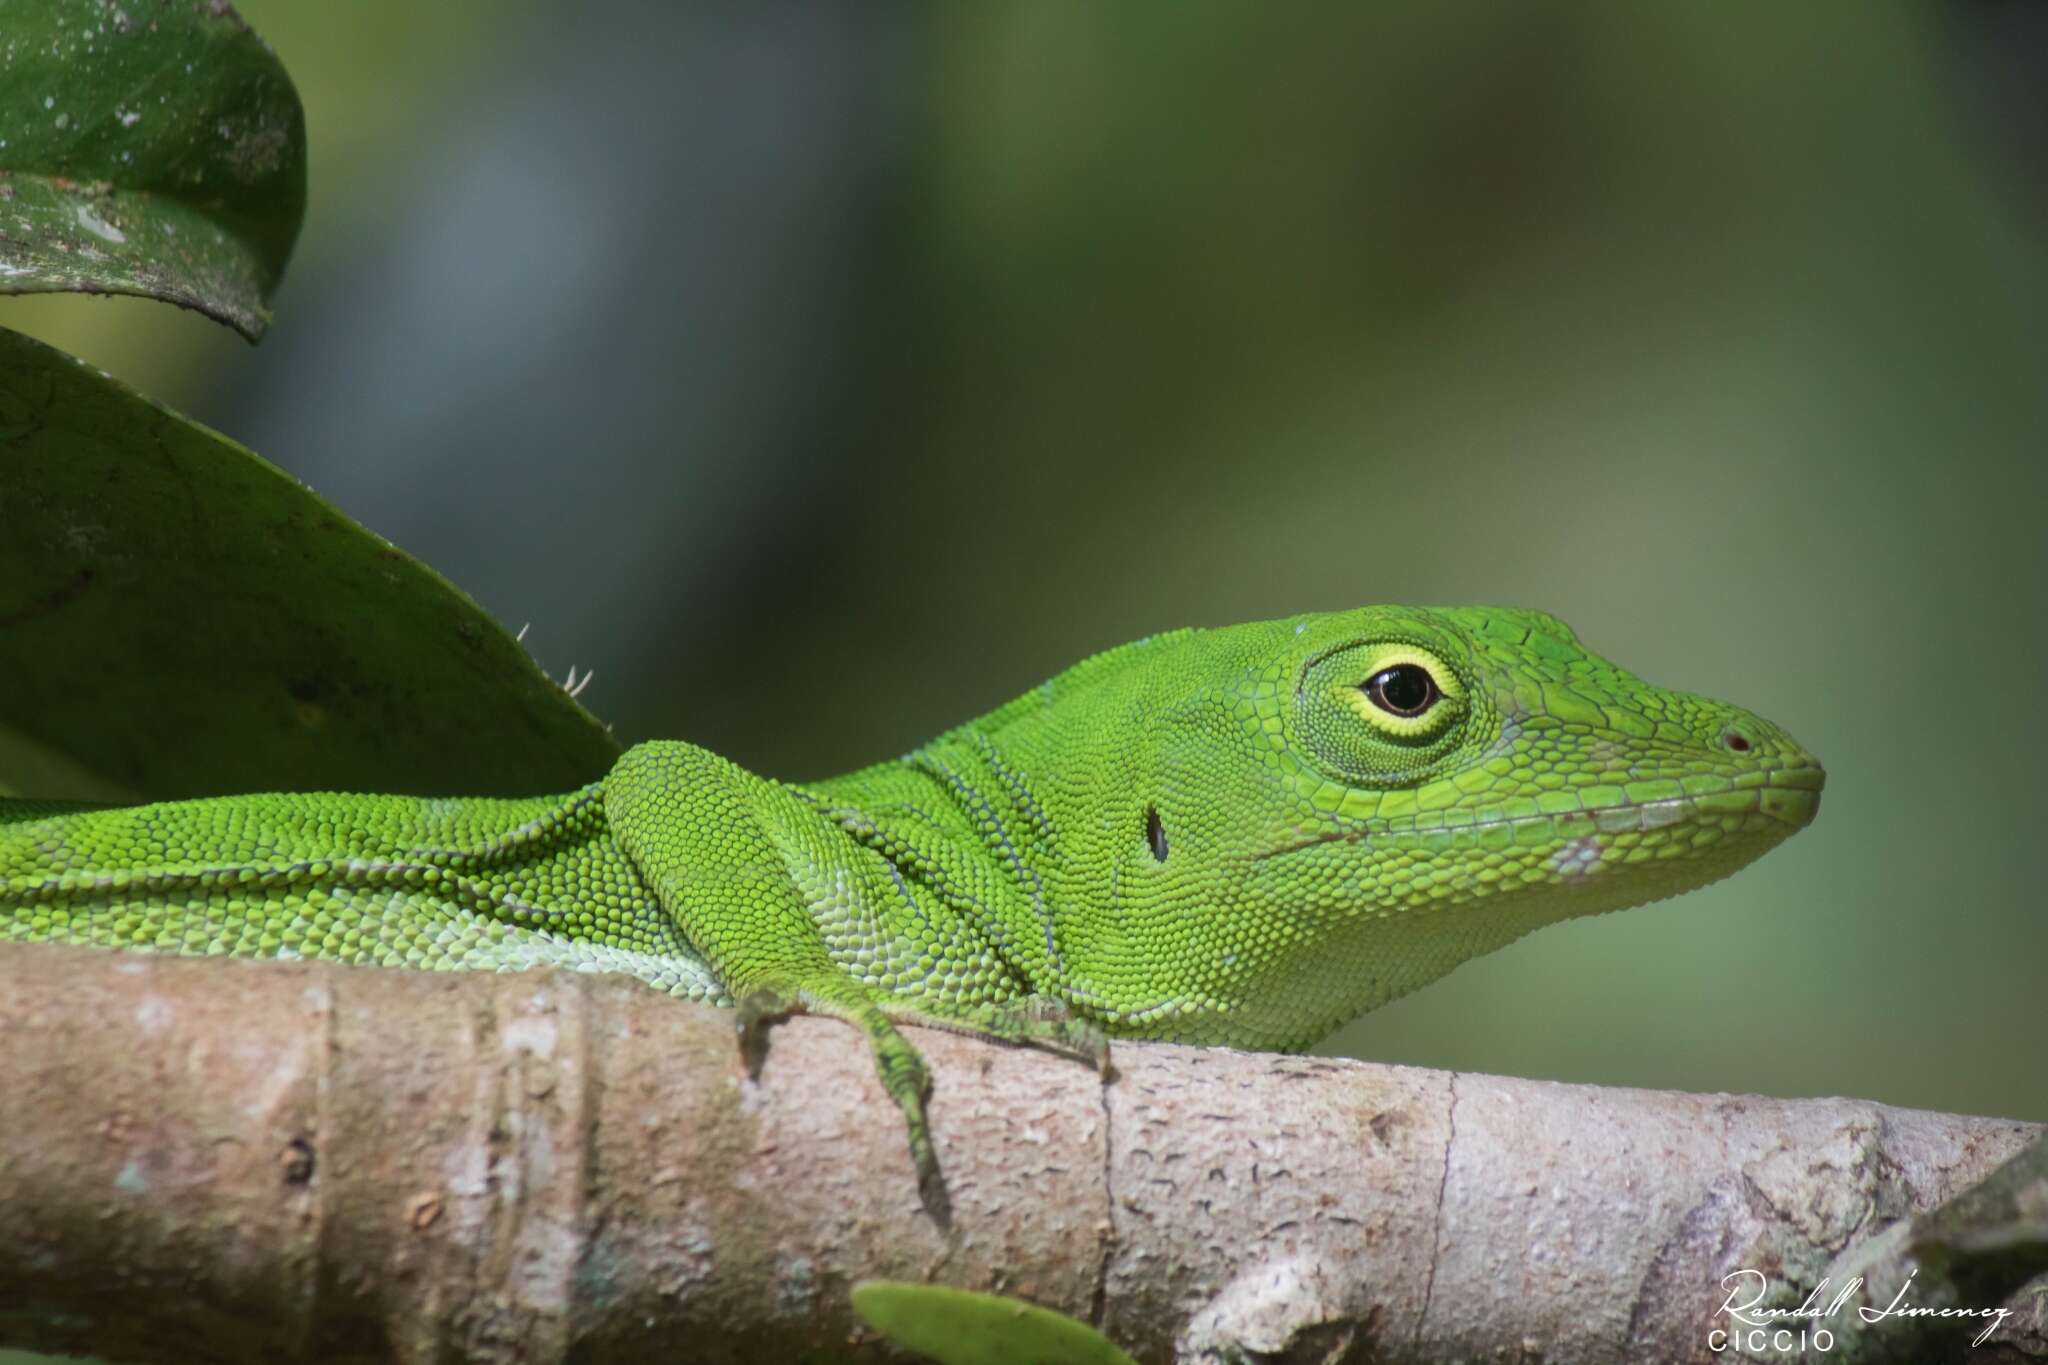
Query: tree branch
[(206, 1159)]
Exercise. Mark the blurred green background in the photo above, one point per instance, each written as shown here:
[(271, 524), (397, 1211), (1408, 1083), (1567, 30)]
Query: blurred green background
[(820, 379)]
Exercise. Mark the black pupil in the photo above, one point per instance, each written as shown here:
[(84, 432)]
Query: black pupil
[(1404, 689)]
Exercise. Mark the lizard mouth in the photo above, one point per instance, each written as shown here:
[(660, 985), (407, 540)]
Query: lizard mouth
[(1786, 796)]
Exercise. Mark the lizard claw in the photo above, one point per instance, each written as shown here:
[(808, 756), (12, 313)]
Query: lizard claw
[(754, 1012)]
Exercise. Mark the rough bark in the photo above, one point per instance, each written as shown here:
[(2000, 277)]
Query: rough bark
[(235, 1161)]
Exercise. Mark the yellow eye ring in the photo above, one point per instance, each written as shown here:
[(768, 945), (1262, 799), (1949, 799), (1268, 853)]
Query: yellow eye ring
[(1405, 693)]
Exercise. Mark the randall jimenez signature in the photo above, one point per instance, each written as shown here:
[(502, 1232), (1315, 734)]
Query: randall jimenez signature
[(1755, 1328)]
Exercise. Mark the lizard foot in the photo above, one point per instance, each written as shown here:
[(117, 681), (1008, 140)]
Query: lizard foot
[(899, 1066)]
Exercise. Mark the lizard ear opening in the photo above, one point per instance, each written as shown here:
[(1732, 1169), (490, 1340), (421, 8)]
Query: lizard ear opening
[(1155, 833)]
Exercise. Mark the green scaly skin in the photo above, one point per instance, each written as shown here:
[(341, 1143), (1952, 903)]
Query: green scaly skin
[(1209, 836)]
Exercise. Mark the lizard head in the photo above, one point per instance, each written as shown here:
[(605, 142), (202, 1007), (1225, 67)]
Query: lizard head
[(1411, 787)]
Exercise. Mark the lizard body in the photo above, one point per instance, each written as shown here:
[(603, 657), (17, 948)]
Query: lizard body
[(1242, 836)]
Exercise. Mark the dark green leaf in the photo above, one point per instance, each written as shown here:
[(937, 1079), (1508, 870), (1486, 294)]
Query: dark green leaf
[(147, 148), (179, 617), (961, 1327)]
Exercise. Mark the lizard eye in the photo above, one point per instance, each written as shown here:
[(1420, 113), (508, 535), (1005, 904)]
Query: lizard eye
[(1409, 712), (1404, 690)]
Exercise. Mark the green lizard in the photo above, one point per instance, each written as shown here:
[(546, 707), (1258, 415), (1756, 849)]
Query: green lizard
[(1236, 836)]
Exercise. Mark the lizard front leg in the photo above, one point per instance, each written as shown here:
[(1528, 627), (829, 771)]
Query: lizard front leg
[(791, 914)]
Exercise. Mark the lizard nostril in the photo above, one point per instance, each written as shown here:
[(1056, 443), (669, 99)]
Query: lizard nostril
[(1736, 740)]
